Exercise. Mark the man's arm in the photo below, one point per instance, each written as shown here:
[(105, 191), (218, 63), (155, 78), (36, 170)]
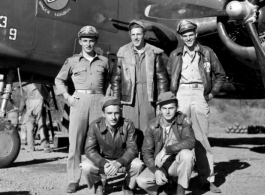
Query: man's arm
[(106, 79), (92, 147), (116, 79), (131, 147), (187, 138), (148, 150), (61, 79), (218, 72), (161, 75)]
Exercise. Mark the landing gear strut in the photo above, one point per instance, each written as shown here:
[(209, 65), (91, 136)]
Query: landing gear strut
[(9, 137)]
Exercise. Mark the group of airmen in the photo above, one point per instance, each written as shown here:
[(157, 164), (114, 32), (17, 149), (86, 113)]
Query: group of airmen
[(145, 118)]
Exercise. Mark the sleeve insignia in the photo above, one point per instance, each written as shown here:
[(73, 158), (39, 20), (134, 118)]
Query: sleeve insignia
[(66, 62), (187, 121)]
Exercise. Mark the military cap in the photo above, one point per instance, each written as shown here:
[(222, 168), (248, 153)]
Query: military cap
[(107, 101), (140, 23), (186, 25), (88, 31), (166, 98)]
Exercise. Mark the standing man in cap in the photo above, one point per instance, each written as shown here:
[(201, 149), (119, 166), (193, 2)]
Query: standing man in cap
[(167, 146), (110, 147), (138, 77), (196, 77), (89, 73)]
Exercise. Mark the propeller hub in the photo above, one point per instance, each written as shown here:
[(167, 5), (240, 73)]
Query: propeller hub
[(236, 10), (242, 11)]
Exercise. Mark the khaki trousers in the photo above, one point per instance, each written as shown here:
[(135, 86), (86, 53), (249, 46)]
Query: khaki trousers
[(180, 170), (91, 172), (192, 103), (83, 111), (33, 117)]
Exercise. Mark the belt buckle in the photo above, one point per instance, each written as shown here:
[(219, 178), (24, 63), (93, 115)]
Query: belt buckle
[(195, 85)]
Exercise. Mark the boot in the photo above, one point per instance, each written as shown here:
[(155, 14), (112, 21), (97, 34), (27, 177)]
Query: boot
[(98, 188), (72, 188)]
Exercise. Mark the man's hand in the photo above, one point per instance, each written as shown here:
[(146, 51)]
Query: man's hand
[(210, 96), (70, 99), (159, 157), (107, 168), (160, 178), (112, 168)]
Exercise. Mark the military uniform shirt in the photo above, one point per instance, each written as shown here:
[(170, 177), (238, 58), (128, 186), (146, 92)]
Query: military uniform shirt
[(32, 92), (190, 67), (85, 75)]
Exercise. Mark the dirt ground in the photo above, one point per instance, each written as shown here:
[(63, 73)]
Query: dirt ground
[(239, 169)]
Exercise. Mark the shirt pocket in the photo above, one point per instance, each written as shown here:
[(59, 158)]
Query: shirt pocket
[(79, 75)]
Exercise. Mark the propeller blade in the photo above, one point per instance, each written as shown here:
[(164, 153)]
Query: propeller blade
[(258, 48), (175, 11)]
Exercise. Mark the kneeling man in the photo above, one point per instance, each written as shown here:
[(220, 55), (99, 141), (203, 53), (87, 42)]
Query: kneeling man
[(110, 147), (166, 150)]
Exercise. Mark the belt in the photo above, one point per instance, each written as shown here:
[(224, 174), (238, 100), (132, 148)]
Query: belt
[(89, 91), (192, 85)]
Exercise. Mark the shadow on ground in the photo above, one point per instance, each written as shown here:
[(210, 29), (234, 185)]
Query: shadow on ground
[(16, 193), (35, 162), (222, 170), (233, 142)]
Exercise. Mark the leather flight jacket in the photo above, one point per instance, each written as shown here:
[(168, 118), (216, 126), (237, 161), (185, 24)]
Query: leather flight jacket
[(123, 81), (153, 140), (211, 70), (121, 148)]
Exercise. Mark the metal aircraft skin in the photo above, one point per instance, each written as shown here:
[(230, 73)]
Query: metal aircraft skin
[(39, 35)]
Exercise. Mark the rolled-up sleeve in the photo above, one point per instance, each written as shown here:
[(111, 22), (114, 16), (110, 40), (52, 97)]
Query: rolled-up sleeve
[(62, 77)]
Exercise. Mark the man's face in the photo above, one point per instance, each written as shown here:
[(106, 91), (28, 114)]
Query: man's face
[(112, 114), (88, 44), (169, 111), (137, 36), (189, 38)]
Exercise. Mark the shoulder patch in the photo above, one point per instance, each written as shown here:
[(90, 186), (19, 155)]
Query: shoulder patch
[(188, 121), (66, 62)]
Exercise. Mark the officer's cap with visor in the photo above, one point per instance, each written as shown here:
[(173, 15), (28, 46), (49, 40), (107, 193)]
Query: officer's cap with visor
[(88, 31), (186, 25), (108, 101), (166, 98), (140, 23)]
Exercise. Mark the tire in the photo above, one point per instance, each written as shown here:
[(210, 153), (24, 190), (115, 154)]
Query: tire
[(9, 144)]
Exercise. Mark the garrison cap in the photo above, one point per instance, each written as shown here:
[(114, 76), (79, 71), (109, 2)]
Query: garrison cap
[(140, 23), (166, 98), (107, 101), (88, 31), (186, 25)]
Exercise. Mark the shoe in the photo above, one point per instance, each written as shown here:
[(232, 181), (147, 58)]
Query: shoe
[(210, 187), (180, 190), (47, 150), (161, 190), (98, 188), (214, 188), (72, 188), (126, 190)]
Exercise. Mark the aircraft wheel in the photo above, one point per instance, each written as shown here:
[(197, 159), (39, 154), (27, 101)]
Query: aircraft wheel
[(9, 144)]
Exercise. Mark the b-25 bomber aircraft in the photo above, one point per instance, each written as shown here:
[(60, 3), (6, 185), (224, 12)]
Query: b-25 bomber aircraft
[(36, 37)]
